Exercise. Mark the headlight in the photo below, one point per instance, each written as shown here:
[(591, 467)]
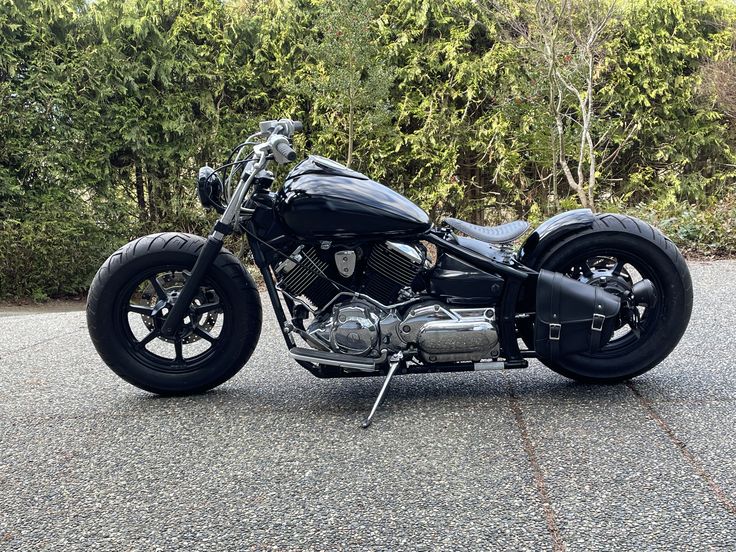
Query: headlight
[(209, 189)]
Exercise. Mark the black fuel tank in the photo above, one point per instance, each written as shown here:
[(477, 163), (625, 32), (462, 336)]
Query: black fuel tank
[(322, 199)]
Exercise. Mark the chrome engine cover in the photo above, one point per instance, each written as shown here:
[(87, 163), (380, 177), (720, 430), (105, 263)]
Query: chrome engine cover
[(432, 330), (351, 328), (451, 335)]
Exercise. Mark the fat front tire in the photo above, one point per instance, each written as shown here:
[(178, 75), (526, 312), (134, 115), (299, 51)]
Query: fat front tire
[(629, 249), (134, 290)]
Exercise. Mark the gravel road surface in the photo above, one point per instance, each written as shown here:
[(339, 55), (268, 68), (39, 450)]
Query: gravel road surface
[(276, 459)]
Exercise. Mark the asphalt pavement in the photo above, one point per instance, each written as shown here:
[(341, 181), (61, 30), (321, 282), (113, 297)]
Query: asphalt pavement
[(276, 459)]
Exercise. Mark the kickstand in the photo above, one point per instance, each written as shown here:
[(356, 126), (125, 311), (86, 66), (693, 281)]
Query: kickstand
[(394, 363)]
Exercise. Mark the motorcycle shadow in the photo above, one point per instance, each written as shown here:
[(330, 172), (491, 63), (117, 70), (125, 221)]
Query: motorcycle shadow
[(306, 394)]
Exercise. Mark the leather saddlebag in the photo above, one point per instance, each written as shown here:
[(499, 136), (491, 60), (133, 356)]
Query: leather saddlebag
[(572, 317)]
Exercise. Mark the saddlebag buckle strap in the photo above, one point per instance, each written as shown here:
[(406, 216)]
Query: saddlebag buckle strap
[(597, 323), (597, 331), (554, 332)]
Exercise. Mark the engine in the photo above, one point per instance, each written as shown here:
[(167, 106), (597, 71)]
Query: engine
[(300, 276), (353, 325), (436, 333), (382, 275), (391, 267), (450, 335)]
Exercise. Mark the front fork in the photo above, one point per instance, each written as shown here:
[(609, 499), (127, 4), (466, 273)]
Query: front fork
[(224, 226)]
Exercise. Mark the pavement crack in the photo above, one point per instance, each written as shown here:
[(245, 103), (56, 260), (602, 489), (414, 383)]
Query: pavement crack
[(558, 545), (686, 453)]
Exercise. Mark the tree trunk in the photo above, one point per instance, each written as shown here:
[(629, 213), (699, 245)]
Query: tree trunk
[(151, 199), (553, 131), (575, 186), (139, 192), (351, 117), (478, 208)]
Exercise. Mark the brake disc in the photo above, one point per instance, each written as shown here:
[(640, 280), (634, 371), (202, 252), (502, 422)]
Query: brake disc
[(173, 282)]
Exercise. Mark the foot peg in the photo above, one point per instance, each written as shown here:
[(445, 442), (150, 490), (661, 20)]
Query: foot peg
[(393, 365)]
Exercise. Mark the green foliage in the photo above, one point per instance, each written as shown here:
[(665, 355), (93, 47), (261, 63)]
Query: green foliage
[(654, 80), (704, 230), (107, 108), (349, 81), (56, 255)]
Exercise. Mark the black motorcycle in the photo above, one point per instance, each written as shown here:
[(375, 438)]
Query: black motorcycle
[(371, 287)]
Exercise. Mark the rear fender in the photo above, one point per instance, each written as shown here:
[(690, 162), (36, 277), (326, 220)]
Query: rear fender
[(551, 231)]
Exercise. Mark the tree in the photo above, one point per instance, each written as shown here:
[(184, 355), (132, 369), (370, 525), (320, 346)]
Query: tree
[(108, 107), (719, 77), (351, 80), (682, 151), (568, 39)]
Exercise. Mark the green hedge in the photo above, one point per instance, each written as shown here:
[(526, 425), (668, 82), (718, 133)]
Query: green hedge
[(107, 109), (51, 256)]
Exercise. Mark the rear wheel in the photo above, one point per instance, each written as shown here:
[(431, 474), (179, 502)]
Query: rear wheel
[(134, 291), (634, 261)]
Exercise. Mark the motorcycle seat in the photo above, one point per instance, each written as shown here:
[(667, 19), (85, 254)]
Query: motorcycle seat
[(503, 233)]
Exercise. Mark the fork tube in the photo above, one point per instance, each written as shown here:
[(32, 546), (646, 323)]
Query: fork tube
[(208, 253)]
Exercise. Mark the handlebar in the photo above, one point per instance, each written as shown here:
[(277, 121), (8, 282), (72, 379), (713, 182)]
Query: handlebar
[(284, 149), (276, 146), (278, 143), (286, 127)]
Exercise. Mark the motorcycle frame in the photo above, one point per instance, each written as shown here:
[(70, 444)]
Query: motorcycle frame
[(515, 272)]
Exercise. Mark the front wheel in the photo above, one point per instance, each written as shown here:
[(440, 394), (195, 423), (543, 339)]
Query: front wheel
[(631, 259), (134, 291)]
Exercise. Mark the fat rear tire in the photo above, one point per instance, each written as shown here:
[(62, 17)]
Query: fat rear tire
[(611, 233), (238, 293)]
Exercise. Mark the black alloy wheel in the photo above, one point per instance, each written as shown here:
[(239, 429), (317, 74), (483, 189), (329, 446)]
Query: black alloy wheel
[(631, 259), (132, 294)]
